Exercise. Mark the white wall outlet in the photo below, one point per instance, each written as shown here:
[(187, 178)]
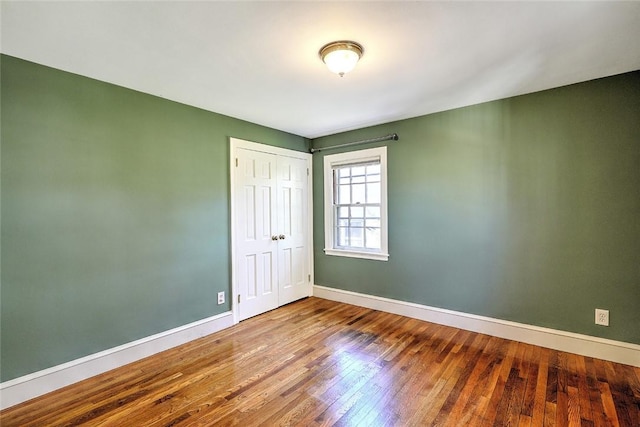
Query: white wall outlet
[(220, 297), (602, 317)]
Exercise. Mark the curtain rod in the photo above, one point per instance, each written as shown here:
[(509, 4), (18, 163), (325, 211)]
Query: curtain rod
[(393, 136)]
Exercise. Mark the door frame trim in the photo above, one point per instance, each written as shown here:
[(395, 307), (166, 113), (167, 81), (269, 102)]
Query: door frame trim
[(234, 145)]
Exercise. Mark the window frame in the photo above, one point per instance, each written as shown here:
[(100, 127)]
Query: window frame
[(332, 161)]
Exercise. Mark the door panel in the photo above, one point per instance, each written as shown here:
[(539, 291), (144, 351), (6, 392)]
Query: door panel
[(255, 249), (293, 264)]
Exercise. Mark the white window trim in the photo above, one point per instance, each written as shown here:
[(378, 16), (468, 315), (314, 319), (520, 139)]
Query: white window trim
[(358, 156)]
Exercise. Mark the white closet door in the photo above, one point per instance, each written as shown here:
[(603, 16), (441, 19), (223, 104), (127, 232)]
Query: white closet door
[(272, 258), (292, 215), (256, 237)]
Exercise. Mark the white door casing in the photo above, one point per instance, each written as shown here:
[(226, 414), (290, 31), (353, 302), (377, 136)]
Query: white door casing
[(271, 227)]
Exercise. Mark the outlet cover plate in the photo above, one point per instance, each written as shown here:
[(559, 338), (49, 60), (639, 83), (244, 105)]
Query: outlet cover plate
[(220, 297), (602, 317)]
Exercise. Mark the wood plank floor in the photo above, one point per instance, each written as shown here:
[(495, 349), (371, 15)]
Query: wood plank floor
[(320, 363)]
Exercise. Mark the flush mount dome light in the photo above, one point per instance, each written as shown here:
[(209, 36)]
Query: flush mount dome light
[(341, 56)]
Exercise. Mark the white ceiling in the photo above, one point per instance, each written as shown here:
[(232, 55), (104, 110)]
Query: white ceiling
[(258, 61)]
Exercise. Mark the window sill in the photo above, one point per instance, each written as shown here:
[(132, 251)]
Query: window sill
[(354, 254)]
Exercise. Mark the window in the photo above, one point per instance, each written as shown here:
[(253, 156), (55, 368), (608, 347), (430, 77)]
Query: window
[(355, 204)]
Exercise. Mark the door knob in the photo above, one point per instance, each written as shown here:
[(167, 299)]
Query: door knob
[(274, 237), (282, 237)]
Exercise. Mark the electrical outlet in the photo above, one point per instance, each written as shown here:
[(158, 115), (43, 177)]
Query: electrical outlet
[(602, 317), (220, 297)]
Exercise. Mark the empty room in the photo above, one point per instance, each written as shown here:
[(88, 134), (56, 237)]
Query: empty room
[(302, 213)]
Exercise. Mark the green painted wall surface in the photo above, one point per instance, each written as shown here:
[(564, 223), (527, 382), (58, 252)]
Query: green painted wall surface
[(115, 214), (525, 209)]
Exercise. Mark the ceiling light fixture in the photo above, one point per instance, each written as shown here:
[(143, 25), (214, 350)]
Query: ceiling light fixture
[(341, 56)]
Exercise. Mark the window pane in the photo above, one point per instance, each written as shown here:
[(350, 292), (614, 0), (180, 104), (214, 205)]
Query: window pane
[(344, 194), (344, 222), (358, 193), (373, 238), (373, 169), (356, 237), (346, 180), (373, 212), (372, 223), (357, 212), (373, 193), (342, 172), (358, 180), (343, 212), (357, 222), (358, 170), (343, 236)]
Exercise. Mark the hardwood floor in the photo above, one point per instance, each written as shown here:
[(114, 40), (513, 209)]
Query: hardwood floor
[(316, 362)]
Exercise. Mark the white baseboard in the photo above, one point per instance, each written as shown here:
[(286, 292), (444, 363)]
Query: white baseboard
[(585, 345), (38, 383)]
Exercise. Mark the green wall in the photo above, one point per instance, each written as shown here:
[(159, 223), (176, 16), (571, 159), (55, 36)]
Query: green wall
[(525, 209), (115, 214)]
